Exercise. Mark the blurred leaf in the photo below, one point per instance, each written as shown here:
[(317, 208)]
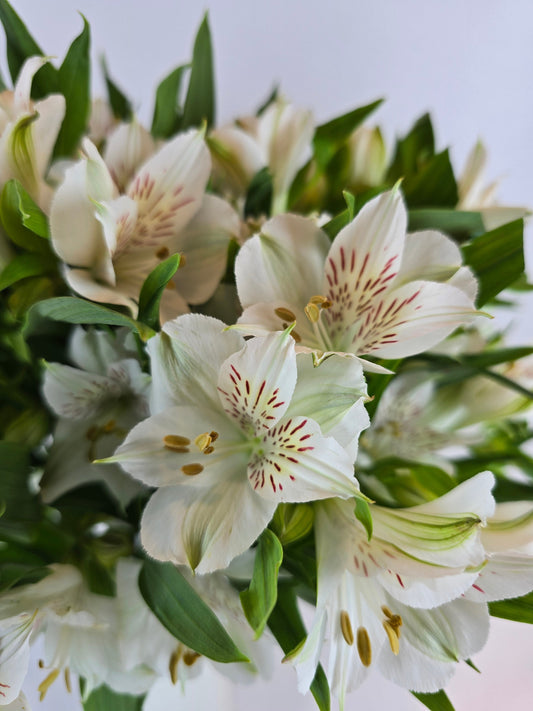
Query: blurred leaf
[(434, 702), (330, 136), (363, 515), (259, 196), (200, 100), (355, 203), (21, 504), (70, 309), (519, 609), (269, 100), (433, 186), (259, 599), (153, 288), (457, 223), (24, 223), (495, 357), (292, 522), (74, 83), (21, 46), (413, 151), (120, 104), (105, 699), (183, 612), (287, 627), (497, 259), (26, 265), (167, 112)]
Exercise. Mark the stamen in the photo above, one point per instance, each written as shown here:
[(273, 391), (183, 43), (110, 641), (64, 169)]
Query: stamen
[(170, 285), (393, 636), (192, 469), (190, 657), (312, 312), (203, 441), (386, 611), (67, 680), (176, 443), (47, 683), (214, 436), (173, 664), (364, 647), (183, 261), (285, 314), (209, 450), (346, 628), (162, 253), (296, 336), (40, 664)]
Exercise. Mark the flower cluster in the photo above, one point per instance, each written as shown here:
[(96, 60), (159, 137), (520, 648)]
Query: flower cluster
[(248, 365)]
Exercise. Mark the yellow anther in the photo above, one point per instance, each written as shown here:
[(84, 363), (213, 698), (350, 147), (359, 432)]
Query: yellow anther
[(203, 441), (190, 657), (109, 426), (392, 634), (170, 285), (67, 680), (209, 450), (364, 647), (47, 683), (386, 611), (327, 304), (192, 469), (346, 628), (312, 312), (285, 314), (92, 433), (41, 664), (296, 336), (183, 261), (321, 301), (162, 253), (173, 664), (176, 443), (214, 436)]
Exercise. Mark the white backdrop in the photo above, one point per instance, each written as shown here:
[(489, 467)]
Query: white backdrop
[(467, 61)]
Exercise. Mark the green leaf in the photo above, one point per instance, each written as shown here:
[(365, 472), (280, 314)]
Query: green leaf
[(183, 612), (259, 599), (152, 291), (26, 265), (259, 196), (458, 223), (519, 609), (355, 203), (120, 104), (20, 46), (105, 699), (362, 514), (200, 100), (497, 258), (21, 505), (433, 186), (70, 309), (292, 522), (413, 151), (435, 702), (23, 222), (330, 136), (167, 111), (269, 100), (74, 83), (495, 357), (287, 627)]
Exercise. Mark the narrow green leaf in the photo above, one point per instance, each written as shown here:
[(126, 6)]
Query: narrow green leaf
[(434, 702), (363, 515), (152, 291), (350, 203), (335, 225), (269, 100), (21, 505), (355, 203), (413, 151), (433, 186), (167, 109), (330, 136), (74, 84), (70, 309), (497, 258), (20, 46), (287, 627), (519, 609), (26, 265), (458, 223), (23, 221), (105, 699), (259, 599), (120, 104), (183, 612), (259, 196), (200, 100), (495, 357)]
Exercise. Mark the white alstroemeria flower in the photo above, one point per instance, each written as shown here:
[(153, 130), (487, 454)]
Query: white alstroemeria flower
[(375, 597), (476, 195), (122, 238), (28, 132), (127, 147), (238, 428), (101, 121), (374, 291), (97, 402), (368, 158), (237, 157)]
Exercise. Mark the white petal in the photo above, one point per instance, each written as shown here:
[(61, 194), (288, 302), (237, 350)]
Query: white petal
[(204, 242), (185, 360), (504, 576), (82, 282), (283, 263), (204, 528), (76, 394), (118, 218), (297, 463), (256, 384), (237, 157), (127, 147), (430, 256), (46, 129), (472, 496), (20, 704), (14, 657), (22, 90)]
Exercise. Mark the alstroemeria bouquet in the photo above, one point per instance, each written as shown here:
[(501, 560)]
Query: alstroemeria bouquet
[(243, 367)]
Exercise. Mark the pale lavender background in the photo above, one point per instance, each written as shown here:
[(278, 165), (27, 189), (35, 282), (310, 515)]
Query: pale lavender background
[(467, 61)]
